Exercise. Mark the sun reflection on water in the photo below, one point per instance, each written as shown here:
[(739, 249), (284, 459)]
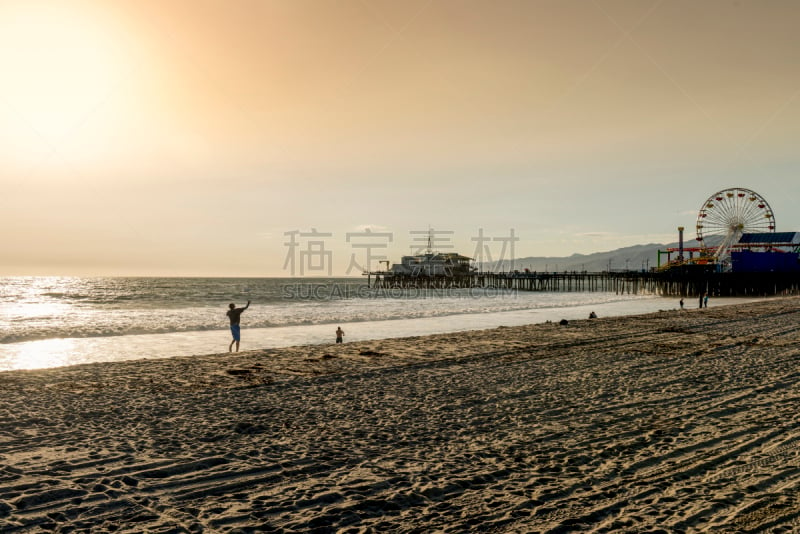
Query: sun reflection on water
[(40, 354)]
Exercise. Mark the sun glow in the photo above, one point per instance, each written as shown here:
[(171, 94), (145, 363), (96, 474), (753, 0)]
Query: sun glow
[(40, 354), (59, 62)]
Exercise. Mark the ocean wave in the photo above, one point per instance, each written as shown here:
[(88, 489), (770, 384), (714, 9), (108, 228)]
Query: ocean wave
[(46, 308), (105, 323)]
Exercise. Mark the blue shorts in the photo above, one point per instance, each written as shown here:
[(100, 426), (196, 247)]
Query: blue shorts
[(237, 335)]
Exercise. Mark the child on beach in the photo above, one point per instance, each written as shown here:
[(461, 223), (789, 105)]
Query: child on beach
[(339, 334)]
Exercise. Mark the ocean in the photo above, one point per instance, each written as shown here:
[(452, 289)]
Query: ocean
[(56, 321)]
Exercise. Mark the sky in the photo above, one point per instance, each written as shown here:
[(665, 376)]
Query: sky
[(289, 137)]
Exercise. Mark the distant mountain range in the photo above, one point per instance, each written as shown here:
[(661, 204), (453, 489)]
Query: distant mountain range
[(635, 258)]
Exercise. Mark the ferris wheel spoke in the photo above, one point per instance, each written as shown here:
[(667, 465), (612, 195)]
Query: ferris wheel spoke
[(730, 213), (749, 207), (753, 210)]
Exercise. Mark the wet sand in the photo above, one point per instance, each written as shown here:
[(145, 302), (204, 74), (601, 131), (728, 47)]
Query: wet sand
[(668, 422)]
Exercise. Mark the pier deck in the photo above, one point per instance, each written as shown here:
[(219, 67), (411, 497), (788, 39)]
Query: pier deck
[(677, 282)]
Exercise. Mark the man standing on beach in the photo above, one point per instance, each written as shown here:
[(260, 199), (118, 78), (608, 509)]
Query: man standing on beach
[(233, 314)]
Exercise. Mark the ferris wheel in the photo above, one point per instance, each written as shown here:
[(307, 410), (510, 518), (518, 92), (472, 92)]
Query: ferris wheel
[(729, 213)]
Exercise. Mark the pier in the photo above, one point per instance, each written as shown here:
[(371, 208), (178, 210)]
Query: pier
[(683, 282)]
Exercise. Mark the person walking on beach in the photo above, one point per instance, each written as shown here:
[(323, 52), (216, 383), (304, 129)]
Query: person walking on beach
[(681, 303), (339, 334), (705, 300), (233, 314)]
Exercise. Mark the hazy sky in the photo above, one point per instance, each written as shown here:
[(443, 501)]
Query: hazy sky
[(188, 138)]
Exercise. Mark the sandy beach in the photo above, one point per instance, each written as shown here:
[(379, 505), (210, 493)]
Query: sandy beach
[(678, 421)]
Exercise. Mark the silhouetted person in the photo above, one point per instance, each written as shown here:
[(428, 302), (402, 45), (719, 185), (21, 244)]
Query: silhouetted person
[(233, 314), (339, 334), (681, 303)]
